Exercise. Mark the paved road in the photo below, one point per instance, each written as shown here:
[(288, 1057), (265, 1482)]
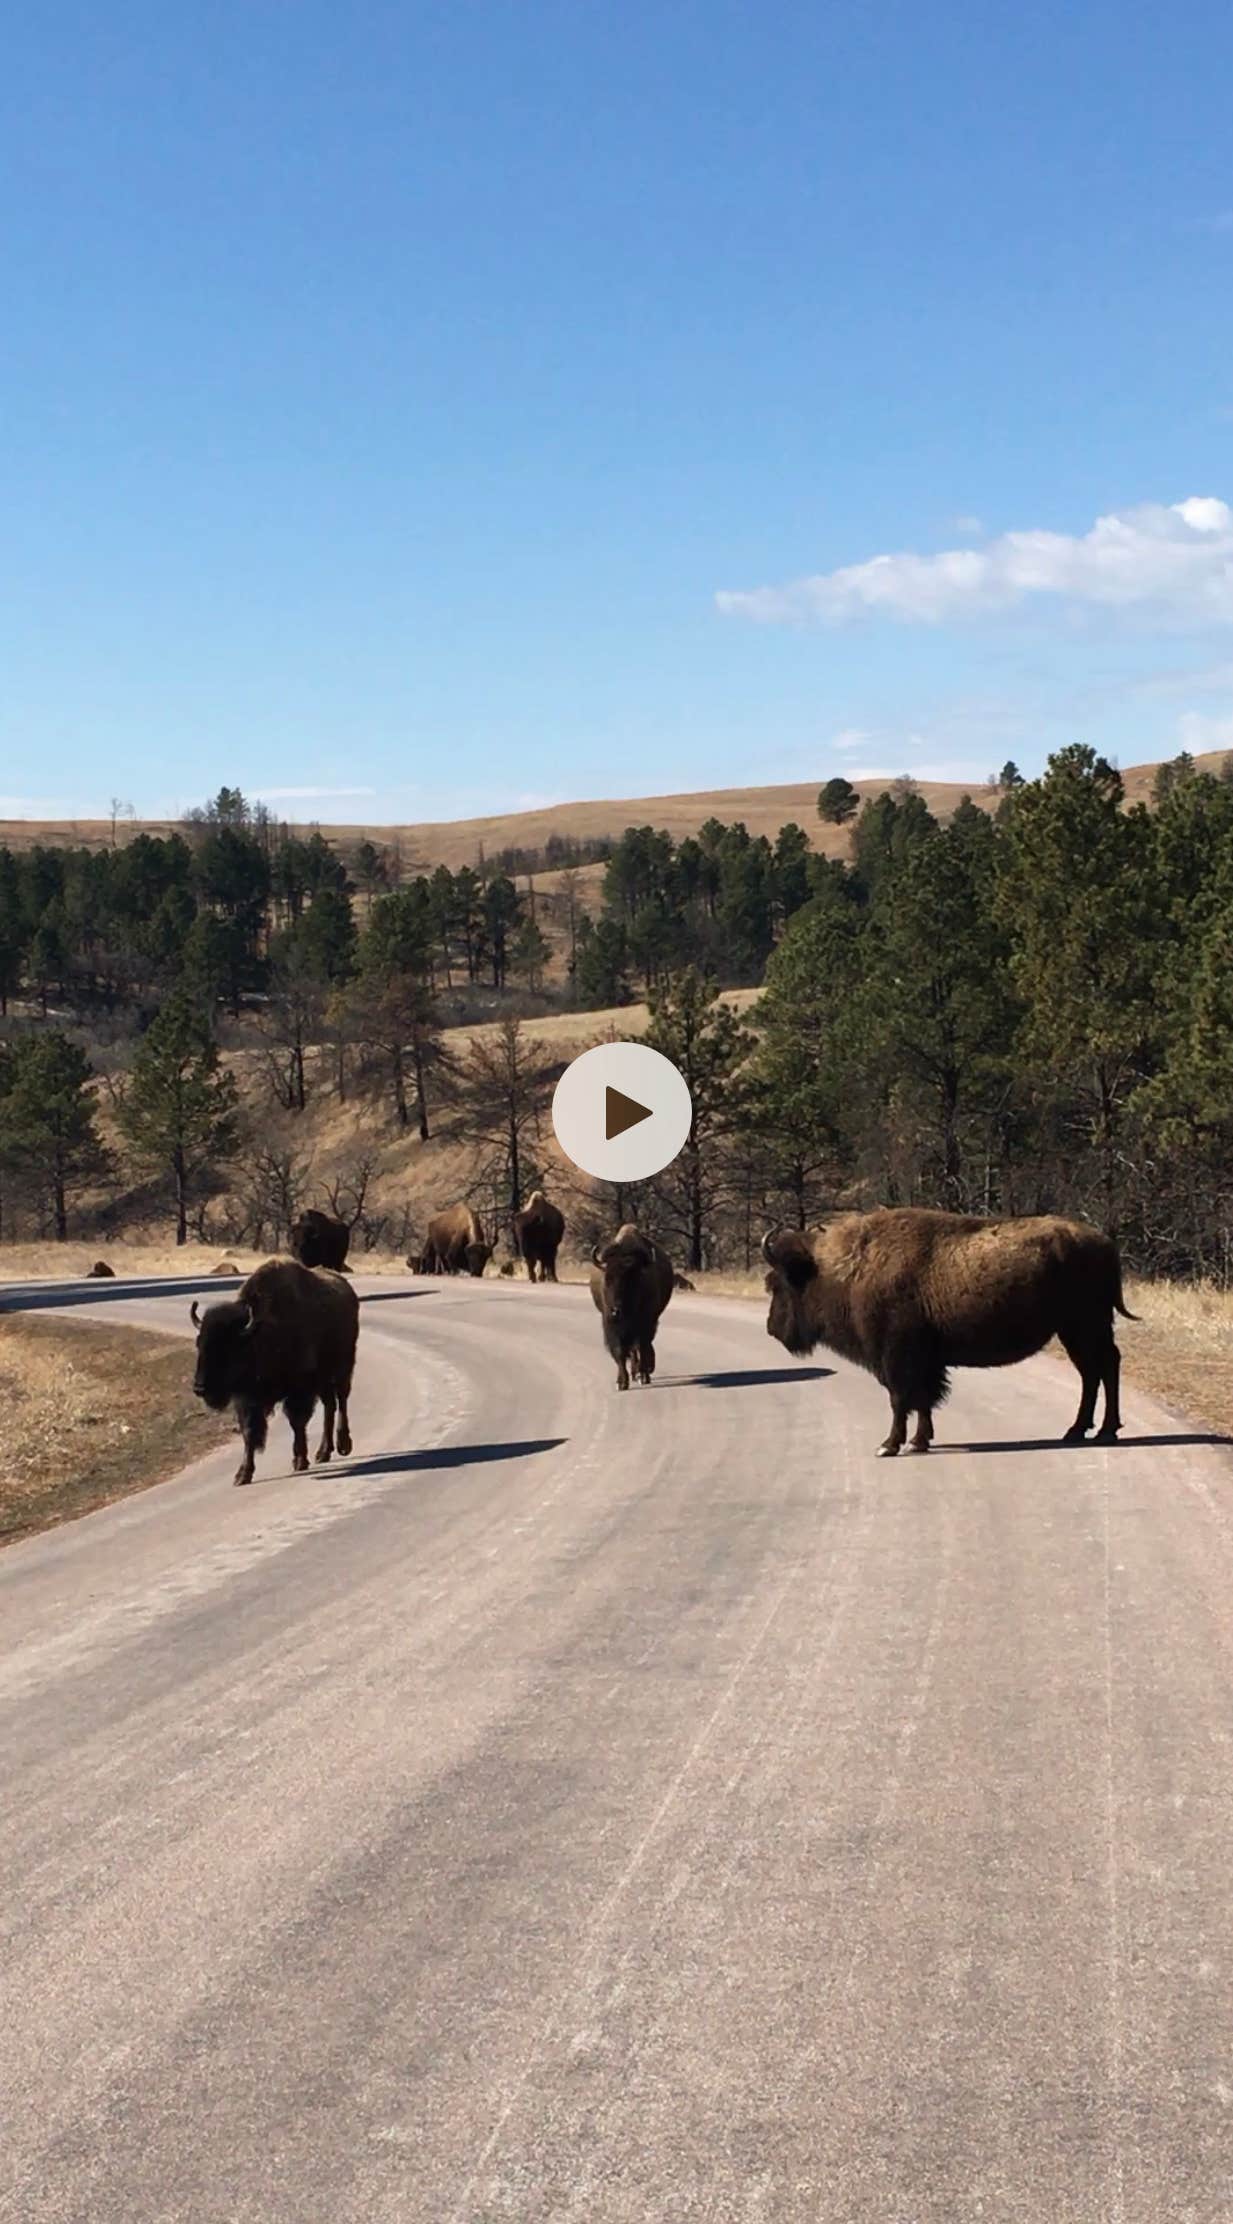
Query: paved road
[(643, 1808)]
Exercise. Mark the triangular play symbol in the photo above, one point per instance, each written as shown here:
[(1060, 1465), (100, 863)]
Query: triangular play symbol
[(621, 1112)]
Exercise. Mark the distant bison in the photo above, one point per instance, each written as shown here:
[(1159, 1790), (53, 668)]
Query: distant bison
[(101, 1272), (455, 1244), (317, 1239), (910, 1293), (538, 1230), (287, 1338), (631, 1282)]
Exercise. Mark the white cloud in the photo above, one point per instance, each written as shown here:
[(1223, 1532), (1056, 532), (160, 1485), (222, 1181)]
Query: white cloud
[(971, 528), (1177, 559), (852, 737)]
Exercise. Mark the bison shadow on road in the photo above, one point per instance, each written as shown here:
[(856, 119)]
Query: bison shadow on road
[(1057, 1444), (744, 1378), (452, 1455)]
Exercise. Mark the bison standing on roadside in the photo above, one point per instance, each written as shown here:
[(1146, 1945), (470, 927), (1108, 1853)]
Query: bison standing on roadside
[(538, 1230), (631, 1282), (455, 1244), (909, 1294), (287, 1338), (317, 1239)]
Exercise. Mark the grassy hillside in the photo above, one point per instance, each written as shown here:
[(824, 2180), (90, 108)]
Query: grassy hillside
[(458, 842)]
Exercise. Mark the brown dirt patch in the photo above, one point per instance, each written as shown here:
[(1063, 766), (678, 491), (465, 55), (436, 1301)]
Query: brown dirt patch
[(92, 1413)]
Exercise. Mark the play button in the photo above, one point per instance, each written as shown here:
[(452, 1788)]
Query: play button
[(622, 1112)]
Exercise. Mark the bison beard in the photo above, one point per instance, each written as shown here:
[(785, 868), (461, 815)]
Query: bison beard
[(287, 1339), (909, 1294)]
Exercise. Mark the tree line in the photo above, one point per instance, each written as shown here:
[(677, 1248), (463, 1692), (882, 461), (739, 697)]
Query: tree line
[(1027, 1007)]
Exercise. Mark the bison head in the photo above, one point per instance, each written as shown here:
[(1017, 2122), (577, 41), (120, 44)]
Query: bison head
[(793, 1269), (477, 1256), (224, 1362)]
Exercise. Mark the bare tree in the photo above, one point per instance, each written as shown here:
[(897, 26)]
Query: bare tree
[(503, 1096)]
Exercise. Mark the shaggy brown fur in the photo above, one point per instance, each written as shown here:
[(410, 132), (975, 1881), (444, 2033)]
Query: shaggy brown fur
[(538, 1230), (909, 1294), (317, 1239), (631, 1282), (287, 1338), (455, 1243)]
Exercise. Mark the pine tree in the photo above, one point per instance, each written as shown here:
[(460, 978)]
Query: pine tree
[(48, 1133), (708, 1045), (178, 1111), (838, 802), (1082, 904)]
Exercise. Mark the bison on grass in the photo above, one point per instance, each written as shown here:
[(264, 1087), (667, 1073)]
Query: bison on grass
[(287, 1338), (538, 1230), (317, 1239), (909, 1294), (631, 1282)]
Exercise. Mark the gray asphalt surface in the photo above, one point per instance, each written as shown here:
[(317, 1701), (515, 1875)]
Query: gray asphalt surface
[(652, 1807)]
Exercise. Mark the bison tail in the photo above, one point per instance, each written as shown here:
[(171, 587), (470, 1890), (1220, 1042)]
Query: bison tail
[(1120, 1305)]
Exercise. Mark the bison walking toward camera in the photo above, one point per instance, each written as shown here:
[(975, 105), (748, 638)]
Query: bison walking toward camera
[(631, 1282), (317, 1239), (287, 1338), (909, 1294), (538, 1230), (455, 1243)]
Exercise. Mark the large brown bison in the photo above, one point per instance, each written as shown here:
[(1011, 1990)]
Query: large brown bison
[(631, 1282), (317, 1239), (538, 1230), (910, 1293), (287, 1338), (455, 1243)]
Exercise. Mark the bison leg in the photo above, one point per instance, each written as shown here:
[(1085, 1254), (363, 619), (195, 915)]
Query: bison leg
[(1087, 1363), (1112, 1373), (299, 1409), (646, 1361), (622, 1370), (344, 1425), (251, 1422), (325, 1449), (924, 1431), (893, 1444)]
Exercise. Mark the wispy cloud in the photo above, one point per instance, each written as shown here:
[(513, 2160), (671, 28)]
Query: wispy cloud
[(1200, 730), (970, 528), (1175, 558), (307, 795)]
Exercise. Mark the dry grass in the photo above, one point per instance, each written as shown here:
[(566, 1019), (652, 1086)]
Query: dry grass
[(92, 1413)]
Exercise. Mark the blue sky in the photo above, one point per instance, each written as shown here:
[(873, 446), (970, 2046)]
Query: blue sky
[(439, 407)]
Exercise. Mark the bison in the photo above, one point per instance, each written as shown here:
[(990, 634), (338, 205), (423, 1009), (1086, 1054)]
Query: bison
[(909, 1293), (455, 1244), (631, 1282), (317, 1239), (287, 1338), (538, 1230)]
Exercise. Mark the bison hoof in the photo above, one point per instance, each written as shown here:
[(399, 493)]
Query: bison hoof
[(323, 1455), (344, 1447), (888, 1451), (241, 1479), (1075, 1436), (918, 1447), (1106, 1436), (299, 1465)]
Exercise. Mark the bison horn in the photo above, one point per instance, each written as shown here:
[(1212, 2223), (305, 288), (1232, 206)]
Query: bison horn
[(595, 1257), (767, 1241), (250, 1320), (193, 1314)]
